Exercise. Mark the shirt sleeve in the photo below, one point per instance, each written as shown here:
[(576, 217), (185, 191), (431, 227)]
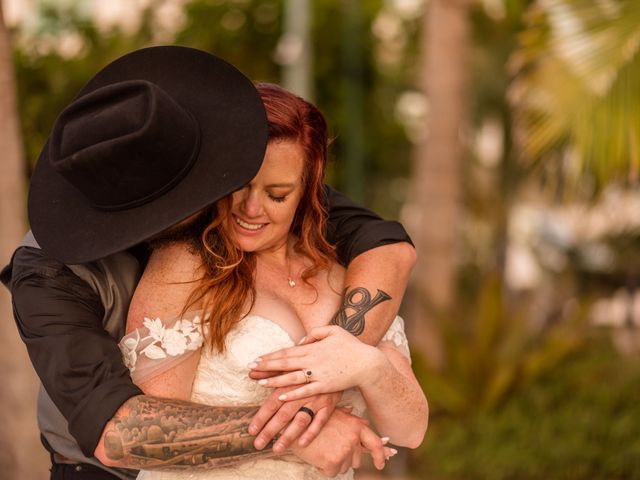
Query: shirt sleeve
[(354, 229), (59, 318)]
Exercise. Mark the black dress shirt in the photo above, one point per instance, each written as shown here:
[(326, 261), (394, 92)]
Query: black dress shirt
[(59, 318)]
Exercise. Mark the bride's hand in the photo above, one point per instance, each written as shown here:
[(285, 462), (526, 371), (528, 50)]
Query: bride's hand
[(329, 359)]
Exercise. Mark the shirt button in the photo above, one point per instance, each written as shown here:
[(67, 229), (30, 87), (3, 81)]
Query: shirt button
[(78, 468)]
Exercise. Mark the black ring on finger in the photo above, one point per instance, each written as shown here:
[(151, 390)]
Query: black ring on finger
[(308, 411)]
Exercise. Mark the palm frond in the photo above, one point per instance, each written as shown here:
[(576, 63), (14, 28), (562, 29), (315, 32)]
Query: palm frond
[(578, 84)]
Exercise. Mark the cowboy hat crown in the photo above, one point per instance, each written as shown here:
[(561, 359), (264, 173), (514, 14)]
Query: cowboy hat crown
[(154, 137)]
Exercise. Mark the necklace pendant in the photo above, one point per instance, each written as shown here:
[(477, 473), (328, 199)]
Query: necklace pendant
[(292, 283)]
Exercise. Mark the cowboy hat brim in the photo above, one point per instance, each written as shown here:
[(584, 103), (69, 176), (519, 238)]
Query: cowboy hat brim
[(233, 136)]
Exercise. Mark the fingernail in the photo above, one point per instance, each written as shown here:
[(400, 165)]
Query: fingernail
[(303, 442), (384, 440), (282, 398), (253, 429), (302, 340), (259, 359), (278, 448), (262, 382), (393, 451), (259, 444), (252, 365)]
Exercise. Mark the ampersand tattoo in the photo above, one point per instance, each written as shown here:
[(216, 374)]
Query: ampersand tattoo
[(360, 302)]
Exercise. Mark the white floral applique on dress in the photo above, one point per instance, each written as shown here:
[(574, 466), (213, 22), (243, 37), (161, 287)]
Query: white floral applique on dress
[(159, 340)]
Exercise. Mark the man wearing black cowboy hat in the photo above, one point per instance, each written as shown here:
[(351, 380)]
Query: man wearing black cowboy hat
[(153, 138)]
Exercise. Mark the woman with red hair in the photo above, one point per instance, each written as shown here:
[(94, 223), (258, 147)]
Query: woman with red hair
[(265, 282)]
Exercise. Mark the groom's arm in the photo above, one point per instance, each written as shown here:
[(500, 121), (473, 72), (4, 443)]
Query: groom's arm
[(379, 257), (59, 319), (163, 434)]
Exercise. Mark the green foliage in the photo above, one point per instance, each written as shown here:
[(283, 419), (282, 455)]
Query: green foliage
[(578, 421), (577, 84), (48, 80), (246, 33), (494, 352)]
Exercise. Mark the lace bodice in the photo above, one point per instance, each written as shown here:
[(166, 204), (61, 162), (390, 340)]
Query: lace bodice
[(222, 379)]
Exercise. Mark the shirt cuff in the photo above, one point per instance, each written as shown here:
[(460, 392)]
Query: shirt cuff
[(92, 414)]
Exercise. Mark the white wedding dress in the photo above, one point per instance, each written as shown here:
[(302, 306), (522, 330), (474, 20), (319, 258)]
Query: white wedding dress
[(222, 379)]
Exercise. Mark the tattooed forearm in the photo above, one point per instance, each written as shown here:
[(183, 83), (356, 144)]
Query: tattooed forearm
[(170, 434), (355, 303)]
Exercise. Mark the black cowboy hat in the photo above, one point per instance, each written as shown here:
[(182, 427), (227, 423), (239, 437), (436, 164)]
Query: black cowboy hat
[(154, 137)]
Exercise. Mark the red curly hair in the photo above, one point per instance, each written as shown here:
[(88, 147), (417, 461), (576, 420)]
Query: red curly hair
[(228, 281)]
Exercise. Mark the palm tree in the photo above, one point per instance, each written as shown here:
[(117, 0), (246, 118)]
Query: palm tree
[(577, 87), (433, 210), (21, 455)]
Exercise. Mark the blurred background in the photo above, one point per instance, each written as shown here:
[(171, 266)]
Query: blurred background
[(504, 134)]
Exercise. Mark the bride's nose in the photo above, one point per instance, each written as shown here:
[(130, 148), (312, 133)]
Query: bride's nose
[(251, 205)]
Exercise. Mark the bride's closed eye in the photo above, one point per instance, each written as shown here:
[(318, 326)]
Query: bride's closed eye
[(278, 199)]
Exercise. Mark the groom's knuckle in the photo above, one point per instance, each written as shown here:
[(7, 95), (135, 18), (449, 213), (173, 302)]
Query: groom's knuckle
[(272, 403), (330, 470), (334, 461), (282, 416)]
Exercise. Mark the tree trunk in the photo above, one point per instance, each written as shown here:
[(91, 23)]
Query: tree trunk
[(21, 455), (433, 212)]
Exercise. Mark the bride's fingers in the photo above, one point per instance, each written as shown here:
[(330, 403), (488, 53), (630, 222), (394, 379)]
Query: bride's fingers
[(373, 443), (302, 392), (258, 375), (281, 364), (290, 352), (284, 380), (319, 333)]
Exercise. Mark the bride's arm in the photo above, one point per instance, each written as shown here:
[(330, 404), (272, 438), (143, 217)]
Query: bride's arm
[(338, 361)]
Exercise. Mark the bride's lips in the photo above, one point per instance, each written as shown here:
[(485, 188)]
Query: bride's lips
[(248, 228)]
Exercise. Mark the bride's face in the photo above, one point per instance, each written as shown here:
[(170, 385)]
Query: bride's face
[(262, 211)]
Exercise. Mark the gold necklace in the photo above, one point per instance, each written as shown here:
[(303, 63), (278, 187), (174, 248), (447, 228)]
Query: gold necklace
[(290, 280)]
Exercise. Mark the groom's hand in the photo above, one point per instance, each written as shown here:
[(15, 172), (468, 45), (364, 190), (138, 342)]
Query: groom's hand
[(276, 416), (341, 444)]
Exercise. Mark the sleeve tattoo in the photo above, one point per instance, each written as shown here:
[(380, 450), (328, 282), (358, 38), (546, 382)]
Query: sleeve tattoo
[(358, 301), (163, 434)]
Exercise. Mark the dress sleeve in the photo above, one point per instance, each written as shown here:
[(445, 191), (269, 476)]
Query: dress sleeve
[(160, 345), (397, 337), (59, 318), (354, 229)]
